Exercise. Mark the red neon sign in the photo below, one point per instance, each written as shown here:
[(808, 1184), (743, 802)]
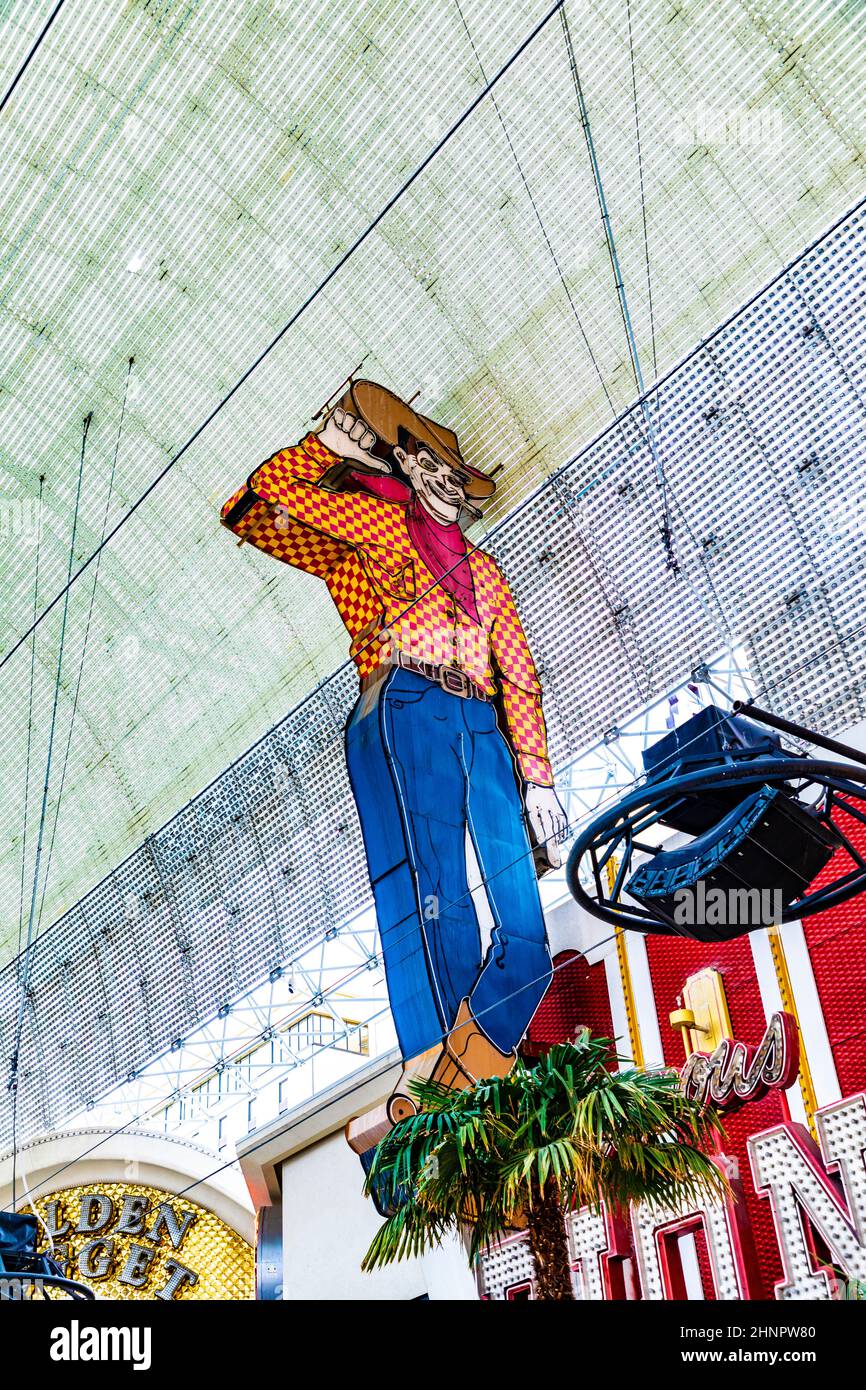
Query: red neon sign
[(735, 1073)]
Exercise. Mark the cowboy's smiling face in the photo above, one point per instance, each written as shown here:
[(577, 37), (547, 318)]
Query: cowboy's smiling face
[(439, 486)]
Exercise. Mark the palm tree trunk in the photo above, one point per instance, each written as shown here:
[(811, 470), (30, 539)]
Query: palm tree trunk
[(548, 1245)]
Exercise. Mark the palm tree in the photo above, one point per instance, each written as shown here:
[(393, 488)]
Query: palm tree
[(522, 1150)]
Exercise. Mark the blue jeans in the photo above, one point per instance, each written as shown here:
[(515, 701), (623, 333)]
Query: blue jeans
[(425, 765)]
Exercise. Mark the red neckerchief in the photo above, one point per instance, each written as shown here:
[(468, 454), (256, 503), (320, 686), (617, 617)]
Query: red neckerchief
[(441, 547)]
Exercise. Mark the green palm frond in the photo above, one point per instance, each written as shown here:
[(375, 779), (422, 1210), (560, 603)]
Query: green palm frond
[(567, 1126)]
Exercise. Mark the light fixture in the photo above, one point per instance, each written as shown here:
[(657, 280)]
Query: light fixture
[(702, 1016)]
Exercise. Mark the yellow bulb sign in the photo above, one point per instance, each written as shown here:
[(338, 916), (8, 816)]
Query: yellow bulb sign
[(128, 1241)]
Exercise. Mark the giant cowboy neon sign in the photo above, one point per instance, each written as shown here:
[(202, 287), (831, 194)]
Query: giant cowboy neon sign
[(446, 746)]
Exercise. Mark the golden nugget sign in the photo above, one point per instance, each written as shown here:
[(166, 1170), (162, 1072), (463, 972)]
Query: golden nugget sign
[(131, 1241)]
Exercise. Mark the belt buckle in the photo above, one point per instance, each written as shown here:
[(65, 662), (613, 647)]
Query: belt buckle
[(455, 681)]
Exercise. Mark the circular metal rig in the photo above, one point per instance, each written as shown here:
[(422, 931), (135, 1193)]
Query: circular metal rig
[(764, 830)]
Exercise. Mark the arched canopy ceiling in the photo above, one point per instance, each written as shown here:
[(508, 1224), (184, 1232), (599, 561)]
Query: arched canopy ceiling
[(177, 177)]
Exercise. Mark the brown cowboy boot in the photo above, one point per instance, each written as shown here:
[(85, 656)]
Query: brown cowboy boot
[(473, 1051), (436, 1064)]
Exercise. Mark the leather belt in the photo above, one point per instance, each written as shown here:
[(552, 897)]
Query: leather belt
[(451, 678)]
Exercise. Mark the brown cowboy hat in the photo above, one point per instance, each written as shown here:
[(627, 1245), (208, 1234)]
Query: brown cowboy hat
[(385, 414)]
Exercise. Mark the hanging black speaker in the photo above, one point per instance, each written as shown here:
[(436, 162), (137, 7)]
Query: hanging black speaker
[(741, 873), (756, 825), (23, 1265), (19, 1234)]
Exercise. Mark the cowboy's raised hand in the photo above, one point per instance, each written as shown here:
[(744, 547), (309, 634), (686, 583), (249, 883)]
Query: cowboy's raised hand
[(350, 438)]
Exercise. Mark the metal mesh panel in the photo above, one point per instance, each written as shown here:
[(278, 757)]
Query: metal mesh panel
[(761, 434)]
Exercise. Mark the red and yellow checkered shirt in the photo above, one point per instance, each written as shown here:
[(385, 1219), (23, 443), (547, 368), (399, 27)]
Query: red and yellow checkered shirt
[(360, 545)]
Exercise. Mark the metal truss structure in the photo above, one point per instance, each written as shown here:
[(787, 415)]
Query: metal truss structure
[(308, 1025)]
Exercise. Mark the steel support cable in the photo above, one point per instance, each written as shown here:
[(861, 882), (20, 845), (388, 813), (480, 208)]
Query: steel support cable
[(631, 341), (619, 282), (27, 800), (28, 957), (32, 54), (666, 528), (302, 308), (84, 645), (553, 256), (569, 296), (610, 241), (30, 714), (649, 286)]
